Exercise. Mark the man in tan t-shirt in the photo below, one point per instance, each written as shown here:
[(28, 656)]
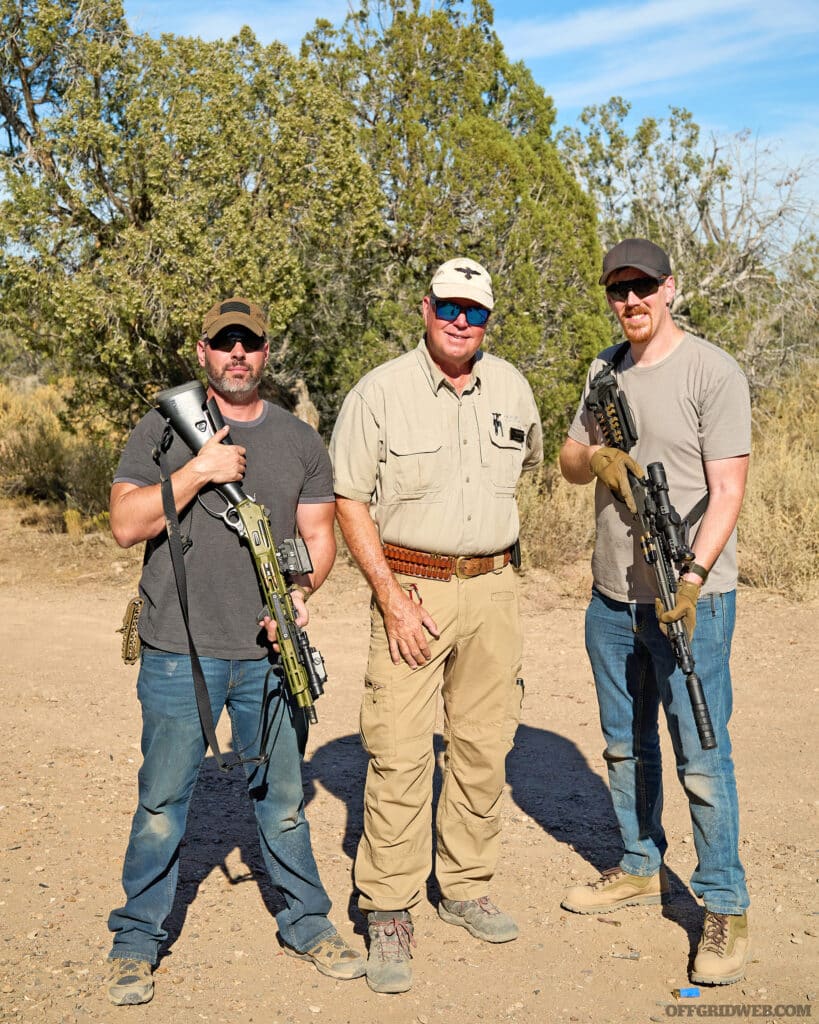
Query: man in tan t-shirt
[(427, 452), (690, 404)]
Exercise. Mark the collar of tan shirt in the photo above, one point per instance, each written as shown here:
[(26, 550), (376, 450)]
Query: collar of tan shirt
[(435, 376)]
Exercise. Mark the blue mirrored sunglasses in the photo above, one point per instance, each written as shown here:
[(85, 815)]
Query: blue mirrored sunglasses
[(476, 316)]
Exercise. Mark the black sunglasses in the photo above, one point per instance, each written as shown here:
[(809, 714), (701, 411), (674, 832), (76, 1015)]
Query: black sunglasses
[(641, 286), (225, 341), (476, 316)]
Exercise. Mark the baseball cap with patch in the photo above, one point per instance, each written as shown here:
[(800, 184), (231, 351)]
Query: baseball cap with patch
[(638, 253), (463, 278), (234, 312)]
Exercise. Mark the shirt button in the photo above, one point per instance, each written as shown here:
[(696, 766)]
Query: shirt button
[(465, 441), (469, 519)]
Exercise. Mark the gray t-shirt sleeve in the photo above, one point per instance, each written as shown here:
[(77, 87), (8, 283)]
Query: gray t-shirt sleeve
[(318, 482), (137, 464)]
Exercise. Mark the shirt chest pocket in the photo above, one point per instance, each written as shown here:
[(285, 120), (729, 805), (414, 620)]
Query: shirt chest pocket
[(415, 469), (503, 454)]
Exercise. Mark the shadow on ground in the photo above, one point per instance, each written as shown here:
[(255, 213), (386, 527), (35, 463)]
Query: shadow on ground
[(550, 780)]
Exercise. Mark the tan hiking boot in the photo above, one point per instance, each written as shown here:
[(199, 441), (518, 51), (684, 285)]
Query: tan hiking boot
[(130, 982), (481, 918), (723, 949), (333, 957), (391, 942), (615, 889)]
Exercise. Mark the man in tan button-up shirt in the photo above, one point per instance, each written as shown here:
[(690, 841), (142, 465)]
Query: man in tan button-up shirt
[(427, 452)]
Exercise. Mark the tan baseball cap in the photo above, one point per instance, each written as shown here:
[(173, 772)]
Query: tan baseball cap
[(235, 311), (463, 278)]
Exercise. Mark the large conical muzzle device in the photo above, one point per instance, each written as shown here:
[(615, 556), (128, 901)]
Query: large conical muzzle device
[(196, 419)]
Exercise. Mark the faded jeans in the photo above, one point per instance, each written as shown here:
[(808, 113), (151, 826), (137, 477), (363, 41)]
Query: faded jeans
[(173, 748), (634, 672)]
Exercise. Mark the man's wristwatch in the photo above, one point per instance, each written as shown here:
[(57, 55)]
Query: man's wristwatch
[(696, 570)]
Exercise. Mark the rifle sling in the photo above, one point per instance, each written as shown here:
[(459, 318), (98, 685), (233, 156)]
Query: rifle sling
[(178, 562)]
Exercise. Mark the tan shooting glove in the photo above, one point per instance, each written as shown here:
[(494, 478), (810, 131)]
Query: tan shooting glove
[(610, 465), (685, 608)]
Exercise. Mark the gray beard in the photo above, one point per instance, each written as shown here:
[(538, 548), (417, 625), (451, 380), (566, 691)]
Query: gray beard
[(224, 385)]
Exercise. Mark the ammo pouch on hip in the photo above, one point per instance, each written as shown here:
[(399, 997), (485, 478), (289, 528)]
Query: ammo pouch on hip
[(131, 644)]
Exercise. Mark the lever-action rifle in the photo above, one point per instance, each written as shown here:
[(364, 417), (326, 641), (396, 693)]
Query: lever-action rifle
[(196, 420), (663, 539)]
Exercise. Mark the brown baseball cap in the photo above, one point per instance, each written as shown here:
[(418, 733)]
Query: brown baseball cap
[(234, 312), (638, 253), (463, 278)]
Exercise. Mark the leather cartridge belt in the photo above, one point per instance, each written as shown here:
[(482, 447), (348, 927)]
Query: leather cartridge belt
[(442, 567)]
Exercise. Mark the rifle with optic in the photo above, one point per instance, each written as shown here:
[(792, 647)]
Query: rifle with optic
[(664, 535)]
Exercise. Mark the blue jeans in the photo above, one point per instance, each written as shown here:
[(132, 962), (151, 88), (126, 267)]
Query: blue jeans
[(173, 748), (634, 672)]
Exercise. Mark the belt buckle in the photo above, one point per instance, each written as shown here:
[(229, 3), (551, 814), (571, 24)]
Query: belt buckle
[(458, 567)]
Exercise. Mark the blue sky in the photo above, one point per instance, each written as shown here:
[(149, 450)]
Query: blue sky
[(735, 64)]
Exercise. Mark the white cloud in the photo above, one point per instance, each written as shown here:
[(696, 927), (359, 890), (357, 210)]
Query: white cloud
[(630, 71), (619, 25)]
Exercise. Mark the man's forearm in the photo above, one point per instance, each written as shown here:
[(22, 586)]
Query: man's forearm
[(361, 537), (726, 485)]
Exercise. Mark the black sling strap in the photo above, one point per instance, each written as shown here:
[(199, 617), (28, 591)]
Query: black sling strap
[(178, 562), (177, 551)]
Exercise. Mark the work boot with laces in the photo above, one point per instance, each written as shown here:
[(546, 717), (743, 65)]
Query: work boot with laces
[(391, 942), (481, 918), (614, 889), (723, 949), (333, 957)]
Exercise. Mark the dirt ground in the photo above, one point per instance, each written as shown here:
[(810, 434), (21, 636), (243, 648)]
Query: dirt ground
[(68, 764)]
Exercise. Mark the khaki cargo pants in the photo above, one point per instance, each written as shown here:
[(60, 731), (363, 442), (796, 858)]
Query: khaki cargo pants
[(475, 664)]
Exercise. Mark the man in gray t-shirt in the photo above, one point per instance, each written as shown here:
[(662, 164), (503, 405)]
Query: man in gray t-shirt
[(691, 408), (283, 463)]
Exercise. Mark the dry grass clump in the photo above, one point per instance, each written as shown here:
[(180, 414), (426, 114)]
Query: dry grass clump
[(557, 519), (779, 526), (41, 458)]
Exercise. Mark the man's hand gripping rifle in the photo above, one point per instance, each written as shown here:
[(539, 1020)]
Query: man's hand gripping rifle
[(663, 538), (196, 420)]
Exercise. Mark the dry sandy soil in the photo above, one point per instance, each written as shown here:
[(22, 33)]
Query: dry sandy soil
[(68, 766)]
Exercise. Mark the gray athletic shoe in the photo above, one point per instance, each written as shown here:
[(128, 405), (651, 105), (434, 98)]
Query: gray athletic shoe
[(481, 918), (130, 982), (391, 942)]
